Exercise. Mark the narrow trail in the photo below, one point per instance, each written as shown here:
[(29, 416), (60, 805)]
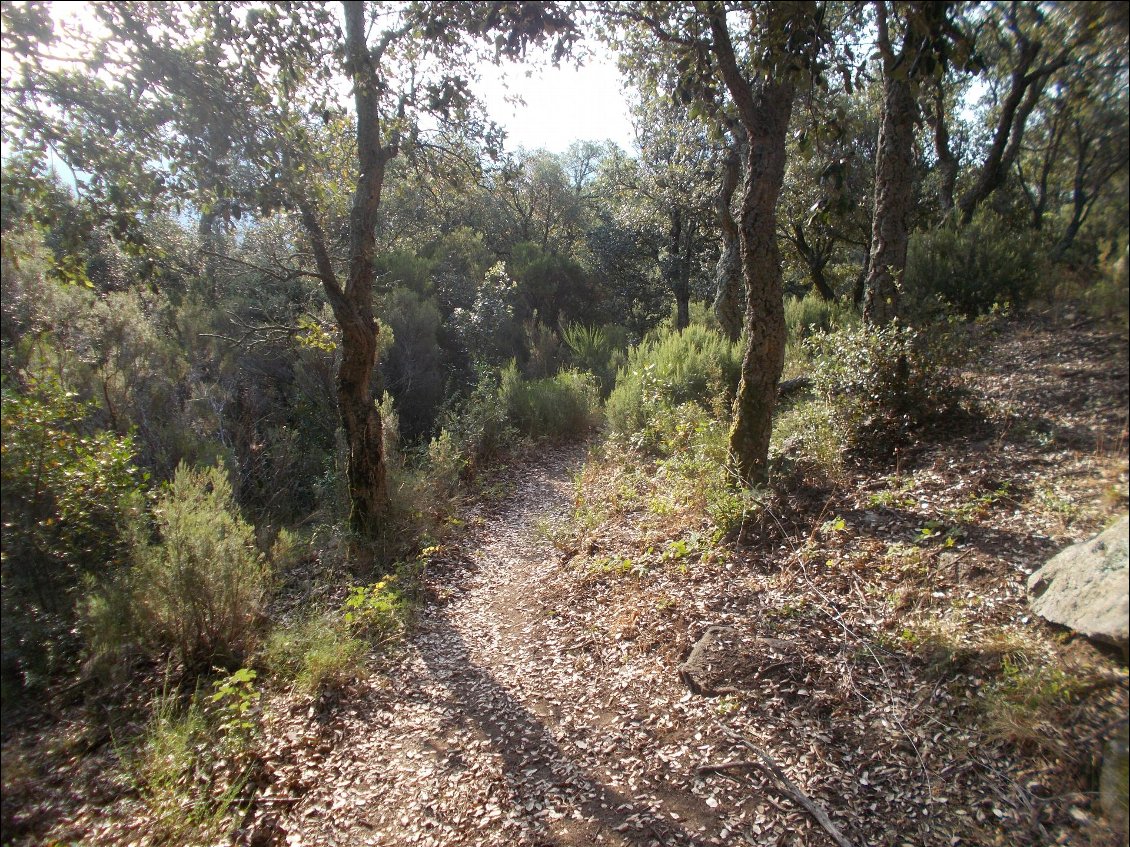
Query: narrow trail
[(493, 727)]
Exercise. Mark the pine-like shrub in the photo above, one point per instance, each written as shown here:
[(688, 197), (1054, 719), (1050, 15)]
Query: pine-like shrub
[(596, 349), (562, 406), (971, 269), (695, 365), (807, 315), (199, 590)]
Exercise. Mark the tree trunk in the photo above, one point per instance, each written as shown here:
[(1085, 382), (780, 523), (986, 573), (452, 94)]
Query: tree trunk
[(1025, 88), (353, 305), (764, 110), (683, 283), (761, 266), (729, 298), (894, 197), (674, 270), (947, 161), (815, 259), (860, 288)]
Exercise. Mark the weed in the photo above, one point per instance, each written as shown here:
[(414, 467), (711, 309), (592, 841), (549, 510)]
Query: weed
[(1051, 501), (195, 759), (318, 654), (1021, 706)]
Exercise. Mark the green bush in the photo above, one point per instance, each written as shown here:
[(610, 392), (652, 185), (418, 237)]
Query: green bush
[(805, 441), (199, 590), (1108, 296), (810, 314), (472, 432), (670, 368), (876, 380), (598, 350), (564, 405), (971, 269), (68, 498), (318, 654)]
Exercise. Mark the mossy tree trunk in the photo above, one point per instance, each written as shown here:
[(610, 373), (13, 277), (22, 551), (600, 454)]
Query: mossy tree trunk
[(764, 108)]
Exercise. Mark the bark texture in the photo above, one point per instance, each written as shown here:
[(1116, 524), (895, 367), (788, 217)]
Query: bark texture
[(761, 266), (764, 110), (729, 298), (894, 199)]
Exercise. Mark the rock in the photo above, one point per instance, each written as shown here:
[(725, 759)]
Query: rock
[(1085, 587), (1113, 782)]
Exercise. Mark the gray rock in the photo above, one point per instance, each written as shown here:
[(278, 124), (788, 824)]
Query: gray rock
[(1085, 587)]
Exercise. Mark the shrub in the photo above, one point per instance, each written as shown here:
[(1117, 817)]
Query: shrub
[(810, 314), (1108, 296), (560, 406), (878, 379), (971, 269), (805, 441), (318, 654), (697, 365), (412, 366), (68, 498), (596, 349), (200, 589)]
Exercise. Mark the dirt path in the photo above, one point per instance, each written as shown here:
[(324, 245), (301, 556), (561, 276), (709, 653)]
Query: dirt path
[(490, 731)]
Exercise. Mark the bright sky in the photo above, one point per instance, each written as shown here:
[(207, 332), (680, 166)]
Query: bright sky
[(562, 105)]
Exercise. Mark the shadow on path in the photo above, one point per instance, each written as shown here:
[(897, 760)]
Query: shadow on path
[(535, 766)]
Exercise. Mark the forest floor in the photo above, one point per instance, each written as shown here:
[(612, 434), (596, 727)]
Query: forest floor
[(905, 687)]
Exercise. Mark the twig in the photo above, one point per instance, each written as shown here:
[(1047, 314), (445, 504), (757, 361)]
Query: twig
[(767, 765)]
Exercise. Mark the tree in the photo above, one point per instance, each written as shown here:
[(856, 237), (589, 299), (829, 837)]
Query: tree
[(729, 296), (760, 74), (1016, 32), (228, 108), (927, 35)]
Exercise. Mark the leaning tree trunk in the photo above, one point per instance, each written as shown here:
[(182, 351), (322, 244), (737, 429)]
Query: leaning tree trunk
[(729, 298), (894, 197)]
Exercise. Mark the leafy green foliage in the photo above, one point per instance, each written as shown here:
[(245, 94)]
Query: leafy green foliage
[(377, 611), (697, 365), (69, 496), (972, 269), (199, 590), (879, 380)]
